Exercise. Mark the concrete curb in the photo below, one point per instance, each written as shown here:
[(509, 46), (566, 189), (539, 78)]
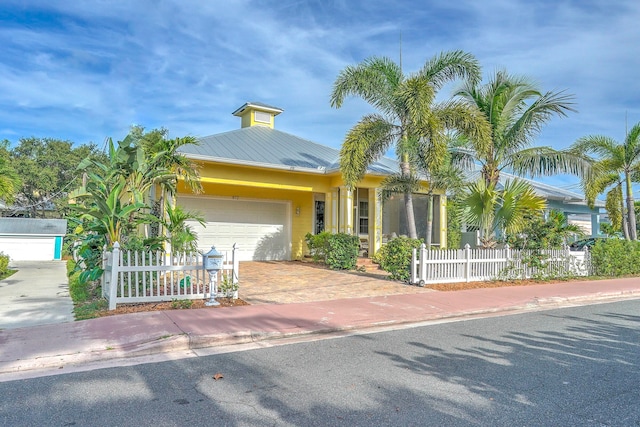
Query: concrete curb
[(114, 352)]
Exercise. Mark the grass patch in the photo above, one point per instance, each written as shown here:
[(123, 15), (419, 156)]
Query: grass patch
[(181, 304), (7, 273), (90, 310)]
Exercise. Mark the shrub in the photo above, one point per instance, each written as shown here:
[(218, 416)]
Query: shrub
[(339, 251), (454, 224), (615, 257), (4, 264), (342, 251), (227, 288), (79, 290), (86, 295), (395, 257), (317, 244)]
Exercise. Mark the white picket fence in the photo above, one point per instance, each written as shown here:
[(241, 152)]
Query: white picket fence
[(472, 265), (136, 276)]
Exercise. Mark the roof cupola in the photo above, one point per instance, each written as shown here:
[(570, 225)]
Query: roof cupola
[(257, 114)]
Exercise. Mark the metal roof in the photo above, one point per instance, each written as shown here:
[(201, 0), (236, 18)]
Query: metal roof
[(33, 226), (550, 192), (266, 147)]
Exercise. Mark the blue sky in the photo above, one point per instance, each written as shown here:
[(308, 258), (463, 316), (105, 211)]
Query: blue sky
[(86, 70)]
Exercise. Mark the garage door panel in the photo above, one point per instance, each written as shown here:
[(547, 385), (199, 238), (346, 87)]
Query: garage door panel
[(259, 229), (28, 249)]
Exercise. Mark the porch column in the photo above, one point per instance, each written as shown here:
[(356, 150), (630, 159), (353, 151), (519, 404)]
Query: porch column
[(346, 211), (443, 220), (331, 211), (375, 222), (595, 224)]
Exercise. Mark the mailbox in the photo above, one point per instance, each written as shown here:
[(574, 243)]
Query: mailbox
[(213, 260)]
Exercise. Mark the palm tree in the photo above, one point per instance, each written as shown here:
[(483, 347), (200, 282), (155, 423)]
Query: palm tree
[(181, 236), (506, 210), (163, 153), (408, 120), (447, 176), (616, 164), (516, 110)]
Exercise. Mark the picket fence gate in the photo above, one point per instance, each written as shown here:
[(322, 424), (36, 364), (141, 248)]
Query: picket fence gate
[(155, 276), (473, 265)]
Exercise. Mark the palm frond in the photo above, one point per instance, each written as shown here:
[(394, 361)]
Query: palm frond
[(544, 161), (598, 184), (363, 145), (598, 145), (613, 206), (398, 184), (467, 120), (449, 66), (374, 80), (536, 115), (480, 206), (518, 202)]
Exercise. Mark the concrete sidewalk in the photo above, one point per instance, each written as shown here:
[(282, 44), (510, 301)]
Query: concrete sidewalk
[(127, 336), (37, 294)]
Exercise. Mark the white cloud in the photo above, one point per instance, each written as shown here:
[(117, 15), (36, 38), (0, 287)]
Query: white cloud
[(90, 69)]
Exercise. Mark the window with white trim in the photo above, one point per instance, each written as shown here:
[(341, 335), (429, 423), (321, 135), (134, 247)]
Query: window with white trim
[(363, 218)]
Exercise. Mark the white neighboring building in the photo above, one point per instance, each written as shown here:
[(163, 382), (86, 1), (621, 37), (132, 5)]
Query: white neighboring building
[(32, 239)]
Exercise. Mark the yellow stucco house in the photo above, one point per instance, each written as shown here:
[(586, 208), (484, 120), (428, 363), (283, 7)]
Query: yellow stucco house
[(265, 190)]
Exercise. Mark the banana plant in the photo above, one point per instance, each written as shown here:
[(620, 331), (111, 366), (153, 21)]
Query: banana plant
[(105, 210)]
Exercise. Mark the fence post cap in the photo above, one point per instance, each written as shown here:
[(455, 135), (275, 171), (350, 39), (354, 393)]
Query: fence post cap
[(467, 246), (423, 246), (116, 245), (506, 246)]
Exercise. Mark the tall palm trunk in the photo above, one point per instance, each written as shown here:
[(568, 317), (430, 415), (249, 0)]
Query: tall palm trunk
[(429, 220), (631, 215), (408, 200), (624, 223)]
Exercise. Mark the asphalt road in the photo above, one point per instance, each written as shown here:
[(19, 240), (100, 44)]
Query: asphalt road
[(568, 367)]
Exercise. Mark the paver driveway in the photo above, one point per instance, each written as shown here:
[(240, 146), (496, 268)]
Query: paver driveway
[(284, 282)]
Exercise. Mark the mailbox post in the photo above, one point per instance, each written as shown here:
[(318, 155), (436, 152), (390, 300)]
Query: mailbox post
[(212, 261)]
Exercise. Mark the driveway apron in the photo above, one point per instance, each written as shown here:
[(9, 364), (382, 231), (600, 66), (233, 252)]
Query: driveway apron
[(37, 294), (286, 282)]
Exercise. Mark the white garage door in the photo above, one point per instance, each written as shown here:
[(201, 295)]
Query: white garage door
[(260, 229), (28, 248)]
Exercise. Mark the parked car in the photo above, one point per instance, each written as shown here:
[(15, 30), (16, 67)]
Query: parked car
[(580, 245)]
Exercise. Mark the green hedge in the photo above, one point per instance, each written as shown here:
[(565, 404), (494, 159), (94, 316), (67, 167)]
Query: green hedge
[(339, 251), (395, 257), (615, 257)]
